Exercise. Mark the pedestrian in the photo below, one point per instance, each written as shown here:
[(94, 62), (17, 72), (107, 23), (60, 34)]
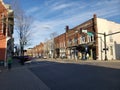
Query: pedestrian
[(9, 63)]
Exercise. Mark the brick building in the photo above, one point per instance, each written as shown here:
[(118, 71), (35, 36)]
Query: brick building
[(82, 41), (60, 45), (6, 31), (36, 51), (95, 39), (75, 43), (87, 41), (41, 49)]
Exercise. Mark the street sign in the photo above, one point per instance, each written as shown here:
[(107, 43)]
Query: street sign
[(105, 49)]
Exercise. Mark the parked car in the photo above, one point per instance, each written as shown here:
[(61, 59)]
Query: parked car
[(24, 58), (44, 57)]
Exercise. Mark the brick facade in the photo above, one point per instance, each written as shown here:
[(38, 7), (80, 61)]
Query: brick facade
[(60, 45), (3, 13), (76, 41), (36, 51), (6, 31)]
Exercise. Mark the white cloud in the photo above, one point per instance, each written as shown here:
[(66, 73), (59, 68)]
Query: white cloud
[(79, 13), (62, 6), (32, 10), (107, 2)]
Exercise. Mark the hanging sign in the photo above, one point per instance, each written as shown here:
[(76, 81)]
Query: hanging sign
[(84, 31)]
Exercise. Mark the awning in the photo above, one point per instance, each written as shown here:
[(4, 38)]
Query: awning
[(89, 33)]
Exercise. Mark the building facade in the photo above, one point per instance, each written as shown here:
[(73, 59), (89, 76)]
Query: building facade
[(112, 31), (82, 40), (6, 32), (95, 39), (36, 51), (60, 46)]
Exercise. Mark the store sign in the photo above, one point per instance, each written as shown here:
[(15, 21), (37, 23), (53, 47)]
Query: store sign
[(84, 31)]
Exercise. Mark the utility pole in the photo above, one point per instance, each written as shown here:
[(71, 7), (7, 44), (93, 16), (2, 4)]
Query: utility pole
[(105, 46)]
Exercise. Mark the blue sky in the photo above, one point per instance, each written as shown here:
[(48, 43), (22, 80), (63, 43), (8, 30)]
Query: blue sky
[(53, 15)]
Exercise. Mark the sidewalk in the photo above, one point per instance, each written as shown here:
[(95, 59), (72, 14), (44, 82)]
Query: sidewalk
[(102, 63), (20, 78), (78, 61)]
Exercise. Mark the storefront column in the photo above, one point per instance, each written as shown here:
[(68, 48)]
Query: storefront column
[(91, 53)]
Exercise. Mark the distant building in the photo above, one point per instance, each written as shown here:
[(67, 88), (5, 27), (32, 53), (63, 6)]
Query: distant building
[(49, 48), (29, 52), (6, 31)]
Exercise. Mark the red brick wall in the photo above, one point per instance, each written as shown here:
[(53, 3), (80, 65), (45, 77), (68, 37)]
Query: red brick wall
[(2, 29), (60, 41), (2, 47)]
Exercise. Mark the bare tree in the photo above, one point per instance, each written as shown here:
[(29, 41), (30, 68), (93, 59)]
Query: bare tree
[(23, 25), (46, 47), (24, 32), (52, 36)]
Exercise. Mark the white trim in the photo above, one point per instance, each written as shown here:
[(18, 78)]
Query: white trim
[(2, 22)]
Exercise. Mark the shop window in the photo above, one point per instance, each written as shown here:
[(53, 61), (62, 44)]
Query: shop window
[(82, 40), (92, 38)]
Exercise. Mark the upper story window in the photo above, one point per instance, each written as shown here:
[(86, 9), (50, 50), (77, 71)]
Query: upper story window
[(70, 42), (82, 39), (75, 40), (90, 37)]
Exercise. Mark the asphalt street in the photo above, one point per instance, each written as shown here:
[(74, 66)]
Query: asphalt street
[(69, 76)]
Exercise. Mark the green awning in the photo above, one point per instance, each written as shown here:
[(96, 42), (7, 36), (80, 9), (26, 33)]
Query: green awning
[(89, 33)]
